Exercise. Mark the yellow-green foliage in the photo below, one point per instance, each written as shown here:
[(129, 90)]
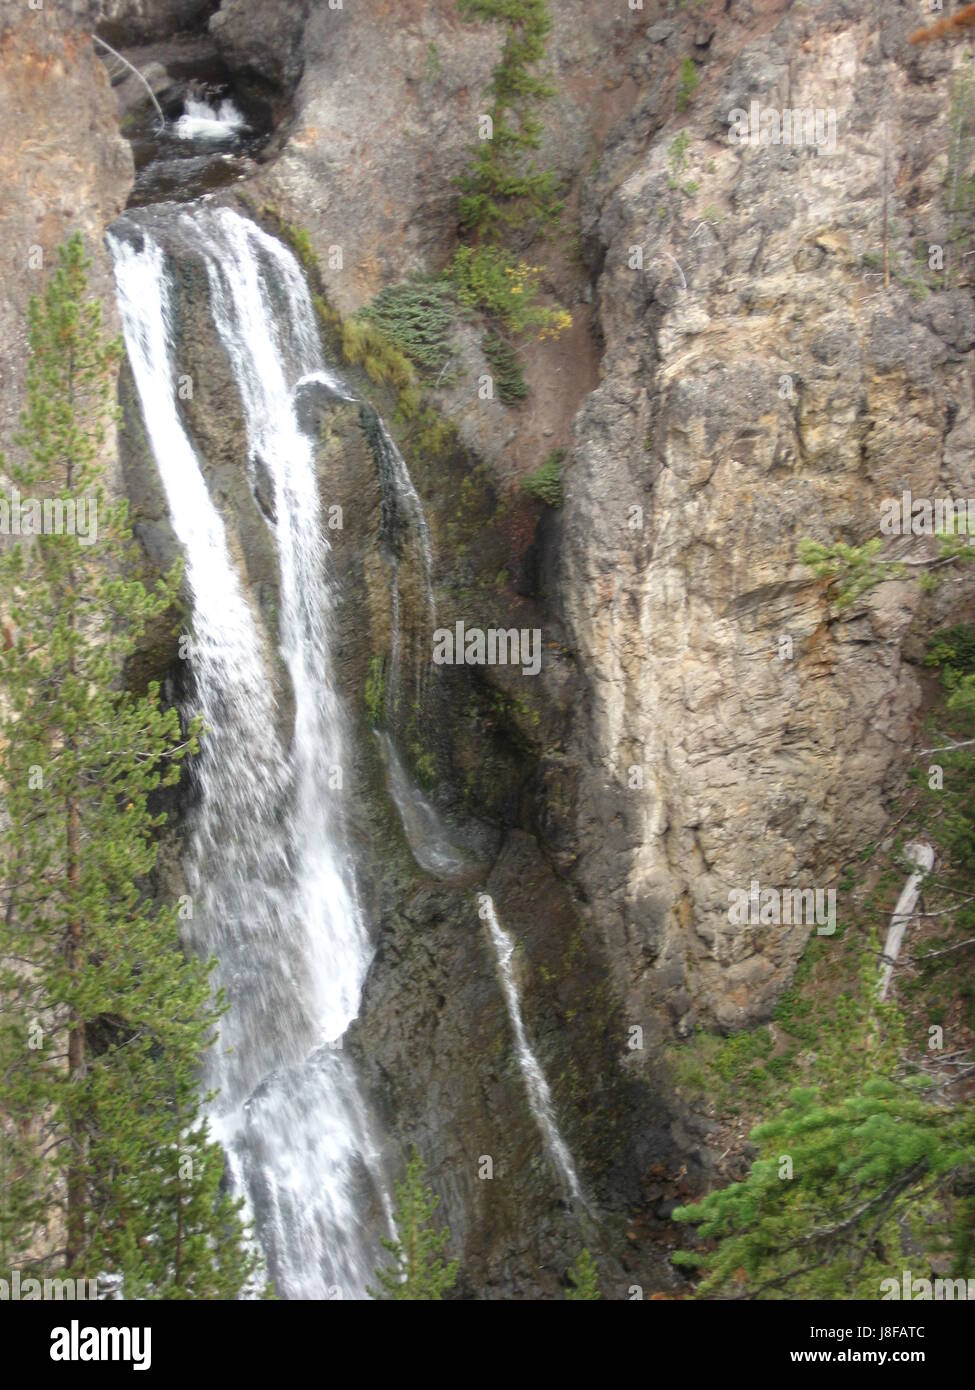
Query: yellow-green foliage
[(299, 240), (435, 434), (365, 345), (583, 1278), (489, 278), (330, 317)]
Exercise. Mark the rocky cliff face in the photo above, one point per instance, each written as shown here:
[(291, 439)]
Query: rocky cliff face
[(759, 385), (738, 377), (387, 110), (142, 21), (63, 167)]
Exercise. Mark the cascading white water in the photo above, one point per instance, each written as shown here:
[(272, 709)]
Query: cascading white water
[(201, 121), (426, 835), (539, 1095), (273, 898), (401, 495)]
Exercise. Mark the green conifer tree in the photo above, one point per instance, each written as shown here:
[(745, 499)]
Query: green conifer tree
[(106, 1163), (418, 1271), (847, 1171), (583, 1278), (504, 187)]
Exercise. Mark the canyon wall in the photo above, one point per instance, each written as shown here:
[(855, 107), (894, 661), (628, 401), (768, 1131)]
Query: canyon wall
[(760, 386), (738, 377), (757, 385)]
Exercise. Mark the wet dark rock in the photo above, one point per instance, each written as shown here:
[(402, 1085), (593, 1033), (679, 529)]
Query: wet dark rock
[(126, 22), (312, 398), (263, 485), (263, 39)]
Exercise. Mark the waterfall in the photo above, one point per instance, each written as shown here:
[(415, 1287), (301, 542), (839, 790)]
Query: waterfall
[(539, 1095), (403, 512), (267, 863), (201, 121), (426, 835)]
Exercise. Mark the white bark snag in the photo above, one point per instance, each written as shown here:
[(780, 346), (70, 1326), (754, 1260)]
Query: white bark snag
[(132, 68), (922, 856)]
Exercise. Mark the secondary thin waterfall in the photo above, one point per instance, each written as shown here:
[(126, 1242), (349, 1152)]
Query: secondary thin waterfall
[(539, 1095), (273, 897), (425, 833), (403, 515)]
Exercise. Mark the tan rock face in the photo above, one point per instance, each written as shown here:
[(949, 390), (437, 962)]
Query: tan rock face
[(63, 168), (387, 111), (384, 114), (759, 386)]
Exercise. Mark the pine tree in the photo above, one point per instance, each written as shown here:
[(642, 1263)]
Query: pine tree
[(106, 1163), (846, 1171), (504, 187), (583, 1278), (418, 1271)]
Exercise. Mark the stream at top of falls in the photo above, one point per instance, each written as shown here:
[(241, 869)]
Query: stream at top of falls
[(267, 865)]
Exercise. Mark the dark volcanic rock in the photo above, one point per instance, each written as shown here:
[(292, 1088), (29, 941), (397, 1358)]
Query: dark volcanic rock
[(261, 38), (125, 22)]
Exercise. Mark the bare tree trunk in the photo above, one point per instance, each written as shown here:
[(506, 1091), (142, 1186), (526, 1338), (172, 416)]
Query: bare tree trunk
[(152, 96), (922, 856), (76, 1048), (74, 957)]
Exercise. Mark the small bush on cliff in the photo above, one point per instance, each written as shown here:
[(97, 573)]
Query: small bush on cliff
[(688, 84), (677, 156), (546, 482), (418, 1271), (583, 1279), (488, 278), (853, 570), (416, 316), (508, 376)]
